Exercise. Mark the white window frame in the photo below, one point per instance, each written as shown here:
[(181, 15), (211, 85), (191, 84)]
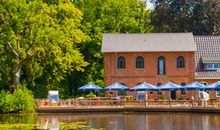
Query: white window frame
[(212, 66)]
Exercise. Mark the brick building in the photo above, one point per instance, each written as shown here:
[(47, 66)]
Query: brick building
[(155, 58), (207, 61)]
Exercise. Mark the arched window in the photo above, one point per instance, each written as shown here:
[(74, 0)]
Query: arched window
[(161, 65), (180, 62), (121, 62), (139, 62)]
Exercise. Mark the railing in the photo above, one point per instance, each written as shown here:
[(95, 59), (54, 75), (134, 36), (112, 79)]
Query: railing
[(128, 103)]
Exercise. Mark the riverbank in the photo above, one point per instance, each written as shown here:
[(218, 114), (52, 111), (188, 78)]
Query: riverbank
[(126, 109)]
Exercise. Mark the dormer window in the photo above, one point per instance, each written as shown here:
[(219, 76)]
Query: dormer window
[(212, 66)]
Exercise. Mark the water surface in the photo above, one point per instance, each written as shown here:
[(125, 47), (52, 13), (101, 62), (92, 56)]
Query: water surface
[(123, 121)]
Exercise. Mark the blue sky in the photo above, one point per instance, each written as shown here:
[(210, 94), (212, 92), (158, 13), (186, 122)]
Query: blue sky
[(149, 5)]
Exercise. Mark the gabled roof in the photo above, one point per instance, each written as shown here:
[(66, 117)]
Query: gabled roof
[(148, 42), (208, 50), (211, 59), (207, 75)]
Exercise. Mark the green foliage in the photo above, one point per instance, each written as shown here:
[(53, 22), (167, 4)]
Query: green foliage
[(21, 100), (128, 97), (73, 126), (39, 41), (50, 44), (105, 16), (91, 95), (27, 118), (62, 126), (6, 102), (24, 100), (163, 97), (198, 16), (181, 98)]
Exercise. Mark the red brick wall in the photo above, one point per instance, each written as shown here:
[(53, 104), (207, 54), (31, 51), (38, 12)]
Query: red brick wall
[(131, 76)]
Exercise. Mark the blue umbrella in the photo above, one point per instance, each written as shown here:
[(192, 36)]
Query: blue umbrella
[(169, 86), (116, 86), (214, 86), (144, 87), (193, 86), (90, 87)]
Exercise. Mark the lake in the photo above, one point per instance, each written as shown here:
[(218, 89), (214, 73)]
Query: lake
[(118, 121)]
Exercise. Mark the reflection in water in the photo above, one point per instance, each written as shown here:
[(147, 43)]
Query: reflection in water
[(128, 121)]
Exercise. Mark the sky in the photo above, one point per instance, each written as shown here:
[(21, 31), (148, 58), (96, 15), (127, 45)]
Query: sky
[(149, 5)]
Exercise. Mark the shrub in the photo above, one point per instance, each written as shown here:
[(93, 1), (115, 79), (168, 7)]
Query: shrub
[(128, 97), (91, 95), (21, 100), (2, 99), (163, 97), (6, 102), (181, 98)]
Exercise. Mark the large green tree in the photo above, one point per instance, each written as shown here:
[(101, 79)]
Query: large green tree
[(105, 16), (38, 38), (198, 16)]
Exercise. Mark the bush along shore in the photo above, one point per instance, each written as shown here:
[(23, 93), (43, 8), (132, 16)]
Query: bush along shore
[(20, 101)]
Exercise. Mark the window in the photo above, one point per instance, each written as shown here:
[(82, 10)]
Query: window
[(212, 66), (180, 62), (161, 65), (216, 66), (139, 62), (121, 63)]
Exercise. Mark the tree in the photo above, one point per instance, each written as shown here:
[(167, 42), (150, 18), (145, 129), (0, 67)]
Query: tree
[(198, 16), (105, 16), (36, 35)]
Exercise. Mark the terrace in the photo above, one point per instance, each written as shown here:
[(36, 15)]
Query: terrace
[(119, 105)]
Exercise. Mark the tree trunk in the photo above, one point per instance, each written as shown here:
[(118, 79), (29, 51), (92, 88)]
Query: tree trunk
[(69, 84), (16, 72)]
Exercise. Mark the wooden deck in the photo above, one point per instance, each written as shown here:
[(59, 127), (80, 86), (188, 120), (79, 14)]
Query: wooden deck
[(93, 105)]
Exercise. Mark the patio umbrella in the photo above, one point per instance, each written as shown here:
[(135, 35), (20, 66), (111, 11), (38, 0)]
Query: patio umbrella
[(90, 87), (213, 86), (116, 86), (193, 86), (169, 86), (144, 87)]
